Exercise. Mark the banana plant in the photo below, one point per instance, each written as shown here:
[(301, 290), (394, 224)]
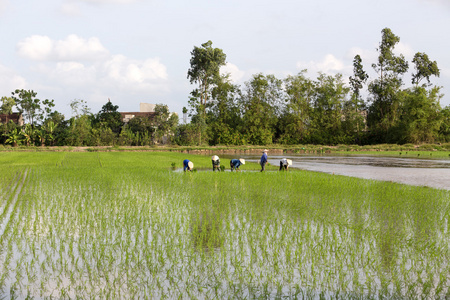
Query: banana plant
[(14, 137)]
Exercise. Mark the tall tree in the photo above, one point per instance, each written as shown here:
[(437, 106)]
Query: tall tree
[(354, 110), (384, 111), (204, 71), (33, 108)]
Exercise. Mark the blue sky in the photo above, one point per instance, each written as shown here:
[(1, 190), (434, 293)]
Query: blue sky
[(134, 51)]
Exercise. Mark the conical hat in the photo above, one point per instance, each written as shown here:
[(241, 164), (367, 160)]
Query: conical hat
[(190, 165), (215, 157), (289, 161), (242, 161)]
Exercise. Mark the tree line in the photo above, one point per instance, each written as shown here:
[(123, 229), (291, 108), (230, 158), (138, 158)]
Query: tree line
[(265, 110), (325, 110), (47, 127)]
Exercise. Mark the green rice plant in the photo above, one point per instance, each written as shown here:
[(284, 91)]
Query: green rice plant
[(124, 225)]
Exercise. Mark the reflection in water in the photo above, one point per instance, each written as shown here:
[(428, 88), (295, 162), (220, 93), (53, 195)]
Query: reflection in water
[(420, 172)]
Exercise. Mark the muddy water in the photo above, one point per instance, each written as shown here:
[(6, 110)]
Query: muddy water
[(421, 172)]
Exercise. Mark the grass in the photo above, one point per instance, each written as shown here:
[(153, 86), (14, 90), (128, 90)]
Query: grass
[(124, 225)]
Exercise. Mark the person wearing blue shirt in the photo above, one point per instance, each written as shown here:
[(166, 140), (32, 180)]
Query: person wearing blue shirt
[(263, 160), (187, 165), (236, 163)]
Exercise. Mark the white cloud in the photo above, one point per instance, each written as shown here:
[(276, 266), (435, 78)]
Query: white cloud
[(143, 74), (10, 81), (329, 65), (116, 73), (84, 68), (236, 75), (73, 48)]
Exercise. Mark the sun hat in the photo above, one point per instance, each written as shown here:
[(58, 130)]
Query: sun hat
[(242, 161), (265, 150), (214, 157), (190, 165)]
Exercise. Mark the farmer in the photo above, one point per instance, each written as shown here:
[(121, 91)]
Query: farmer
[(187, 165), (215, 163), (285, 163), (263, 160), (236, 163)]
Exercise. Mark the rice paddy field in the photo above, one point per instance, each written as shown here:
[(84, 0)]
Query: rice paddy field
[(122, 225)]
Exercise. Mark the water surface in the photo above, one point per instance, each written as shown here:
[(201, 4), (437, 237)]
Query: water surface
[(413, 171)]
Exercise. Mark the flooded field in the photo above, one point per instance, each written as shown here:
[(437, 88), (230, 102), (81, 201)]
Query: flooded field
[(125, 226), (414, 171)]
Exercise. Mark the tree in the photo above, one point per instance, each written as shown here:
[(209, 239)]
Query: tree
[(109, 117), (79, 107), (421, 120), (354, 109), (262, 106), (34, 109), (7, 105), (224, 115), (424, 68), (164, 122), (295, 122), (327, 105), (385, 109), (204, 71), (444, 129)]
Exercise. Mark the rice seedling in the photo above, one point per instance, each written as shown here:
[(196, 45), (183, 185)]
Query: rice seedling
[(124, 225)]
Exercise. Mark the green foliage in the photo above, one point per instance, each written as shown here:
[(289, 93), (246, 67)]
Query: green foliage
[(424, 68), (204, 71), (34, 110), (14, 137), (110, 117), (261, 100), (421, 119), (80, 131), (7, 105), (385, 110)]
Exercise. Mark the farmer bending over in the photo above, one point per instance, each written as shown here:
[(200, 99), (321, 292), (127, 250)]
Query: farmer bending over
[(187, 165), (236, 163), (215, 163), (285, 163)]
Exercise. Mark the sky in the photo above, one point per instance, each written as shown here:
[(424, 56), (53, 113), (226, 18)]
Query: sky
[(133, 51)]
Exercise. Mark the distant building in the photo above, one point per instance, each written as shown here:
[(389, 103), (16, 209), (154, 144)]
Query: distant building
[(15, 117), (146, 110)]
